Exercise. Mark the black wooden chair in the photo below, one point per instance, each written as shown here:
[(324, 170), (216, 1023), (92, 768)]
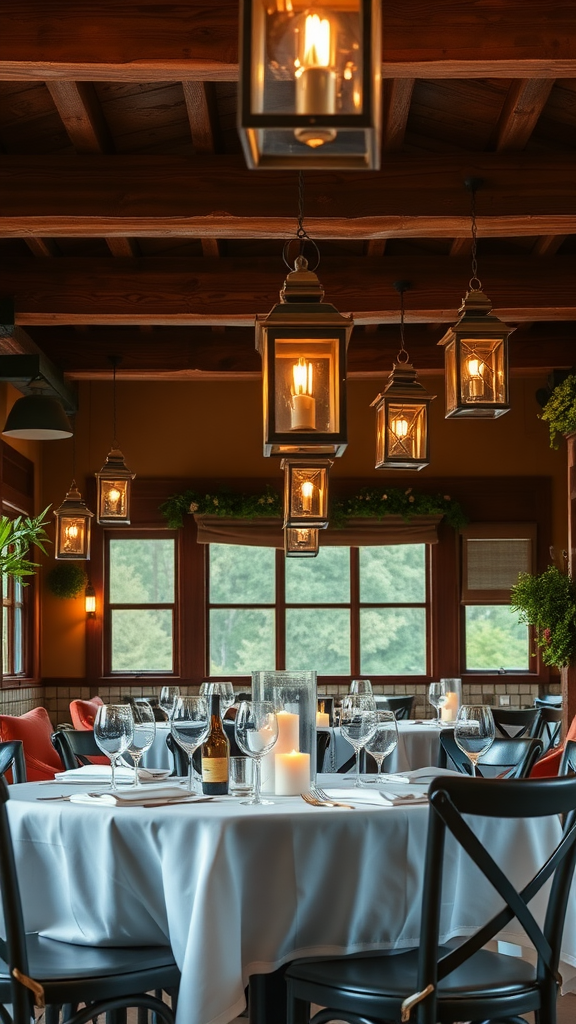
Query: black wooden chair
[(322, 744), (76, 747), (36, 971), (514, 723), (548, 727), (401, 706), (510, 758), (12, 760), (443, 984), (551, 700), (568, 762)]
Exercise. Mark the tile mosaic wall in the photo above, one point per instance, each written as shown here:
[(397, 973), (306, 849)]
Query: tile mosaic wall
[(18, 702)]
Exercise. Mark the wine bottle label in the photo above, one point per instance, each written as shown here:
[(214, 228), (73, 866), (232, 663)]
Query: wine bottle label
[(215, 769)]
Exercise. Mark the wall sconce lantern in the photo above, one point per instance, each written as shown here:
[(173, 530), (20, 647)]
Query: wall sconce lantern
[(402, 436), (73, 526), (310, 84), (114, 481), (301, 543), (306, 494), (90, 601), (476, 349), (303, 343)]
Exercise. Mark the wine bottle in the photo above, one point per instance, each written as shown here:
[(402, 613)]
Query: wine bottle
[(215, 753)]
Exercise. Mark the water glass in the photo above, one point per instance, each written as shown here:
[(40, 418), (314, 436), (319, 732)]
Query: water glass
[(168, 695), (190, 725), (113, 731), (358, 723), (256, 729), (361, 686), (241, 776), (474, 731), (437, 697), (384, 740), (143, 734)]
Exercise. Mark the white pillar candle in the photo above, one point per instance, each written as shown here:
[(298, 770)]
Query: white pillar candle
[(292, 773), (303, 413), (288, 739), (322, 720), (449, 710)]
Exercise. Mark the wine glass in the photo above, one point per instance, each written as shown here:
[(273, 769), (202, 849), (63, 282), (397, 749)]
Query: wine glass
[(437, 696), (361, 686), (384, 740), (113, 730), (474, 731), (190, 725), (256, 729), (358, 723), (225, 690), (168, 695), (143, 733)]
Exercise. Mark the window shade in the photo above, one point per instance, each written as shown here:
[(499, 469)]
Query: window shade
[(493, 556), (359, 532)]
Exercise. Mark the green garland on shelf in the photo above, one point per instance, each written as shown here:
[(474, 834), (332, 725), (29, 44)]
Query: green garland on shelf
[(369, 502)]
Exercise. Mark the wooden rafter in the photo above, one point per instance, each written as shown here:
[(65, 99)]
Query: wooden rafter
[(397, 95)]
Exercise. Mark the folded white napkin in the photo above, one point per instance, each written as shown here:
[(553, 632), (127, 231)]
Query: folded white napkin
[(90, 773), (403, 799), (134, 797), (354, 796)]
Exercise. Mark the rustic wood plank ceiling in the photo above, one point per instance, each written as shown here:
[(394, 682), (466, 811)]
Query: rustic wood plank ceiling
[(129, 222)]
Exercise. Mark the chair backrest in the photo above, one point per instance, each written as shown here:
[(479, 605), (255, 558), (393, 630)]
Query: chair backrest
[(513, 723), (12, 760), (548, 727), (322, 744), (401, 706), (15, 952), (158, 712), (34, 729), (551, 700), (510, 758), (450, 799), (77, 747), (83, 712), (568, 762)]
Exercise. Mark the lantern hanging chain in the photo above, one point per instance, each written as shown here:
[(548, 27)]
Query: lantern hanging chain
[(302, 235), (115, 439), (403, 356), (475, 282)]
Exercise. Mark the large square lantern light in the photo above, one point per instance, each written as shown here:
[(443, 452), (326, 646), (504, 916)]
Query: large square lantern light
[(476, 361), (73, 526), (303, 343), (310, 84), (306, 493)]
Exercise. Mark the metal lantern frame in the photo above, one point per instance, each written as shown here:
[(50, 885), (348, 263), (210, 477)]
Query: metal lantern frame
[(301, 543), (73, 527), (306, 508), (303, 324), (317, 137)]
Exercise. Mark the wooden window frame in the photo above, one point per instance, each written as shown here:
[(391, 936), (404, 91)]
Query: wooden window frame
[(17, 499)]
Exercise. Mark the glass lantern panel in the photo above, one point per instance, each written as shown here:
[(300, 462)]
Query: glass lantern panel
[(306, 375), (450, 376), (307, 59), (482, 370), (113, 499), (308, 493), (406, 431), (72, 536)]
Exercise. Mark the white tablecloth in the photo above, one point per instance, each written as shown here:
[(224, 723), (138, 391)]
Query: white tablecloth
[(239, 890)]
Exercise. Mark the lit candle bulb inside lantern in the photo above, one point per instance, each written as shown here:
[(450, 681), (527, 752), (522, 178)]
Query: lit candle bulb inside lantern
[(303, 408), (113, 499), (307, 490), (316, 82), (475, 382)]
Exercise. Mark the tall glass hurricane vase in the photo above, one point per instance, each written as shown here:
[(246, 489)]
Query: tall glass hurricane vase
[(358, 724), (294, 696), (113, 731)]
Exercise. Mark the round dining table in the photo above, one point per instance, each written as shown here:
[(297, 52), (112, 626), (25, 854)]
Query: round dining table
[(240, 890)]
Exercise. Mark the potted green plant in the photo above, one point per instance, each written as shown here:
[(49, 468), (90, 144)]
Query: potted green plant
[(16, 538), (67, 579), (548, 603), (560, 410)]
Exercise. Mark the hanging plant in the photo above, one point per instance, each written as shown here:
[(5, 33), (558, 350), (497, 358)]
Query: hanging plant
[(548, 603), (560, 410), (67, 579)]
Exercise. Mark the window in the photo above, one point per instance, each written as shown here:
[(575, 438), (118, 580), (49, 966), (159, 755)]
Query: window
[(18, 600), (141, 604), (350, 610), (13, 631)]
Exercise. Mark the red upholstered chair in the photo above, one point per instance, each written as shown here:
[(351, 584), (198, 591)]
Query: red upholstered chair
[(35, 730), (83, 712), (549, 765)]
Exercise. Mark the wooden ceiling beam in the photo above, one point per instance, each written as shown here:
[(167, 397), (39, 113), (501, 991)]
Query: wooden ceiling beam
[(143, 40), (202, 113), (217, 197), (81, 115), (230, 292), (43, 248), (397, 96), (523, 105)]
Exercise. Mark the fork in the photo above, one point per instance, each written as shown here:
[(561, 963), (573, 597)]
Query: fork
[(316, 801)]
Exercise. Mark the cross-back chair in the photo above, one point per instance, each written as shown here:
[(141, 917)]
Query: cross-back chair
[(437, 984), (12, 760), (510, 758), (514, 723), (548, 727), (568, 762), (36, 971)]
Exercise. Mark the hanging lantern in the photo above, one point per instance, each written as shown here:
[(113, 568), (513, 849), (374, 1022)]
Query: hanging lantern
[(303, 343), (73, 526), (114, 486), (306, 493), (310, 84), (476, 348), (402, 439), (476, 361), (301, 543)]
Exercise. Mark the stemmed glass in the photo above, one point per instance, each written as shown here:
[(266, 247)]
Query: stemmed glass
[(384, 740), (256, 729), (143, 733), (358, 724), (113, 730), (437, 696), (362, 686), (168, 695), (190, 725), (474, 731), (225, 690)]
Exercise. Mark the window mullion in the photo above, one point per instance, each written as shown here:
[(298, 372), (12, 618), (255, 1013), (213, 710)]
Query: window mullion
[(280, 597), (354, 611)]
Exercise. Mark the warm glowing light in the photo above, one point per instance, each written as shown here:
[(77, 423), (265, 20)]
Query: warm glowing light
[(303, 377), (307, 490), (71, 531), (317, 42), (400, 427), (474, 367), (475, 379)]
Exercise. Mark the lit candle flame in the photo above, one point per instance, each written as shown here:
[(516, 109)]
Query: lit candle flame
[(303, 376), (400, 427), (316, 42), (307, 490)]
